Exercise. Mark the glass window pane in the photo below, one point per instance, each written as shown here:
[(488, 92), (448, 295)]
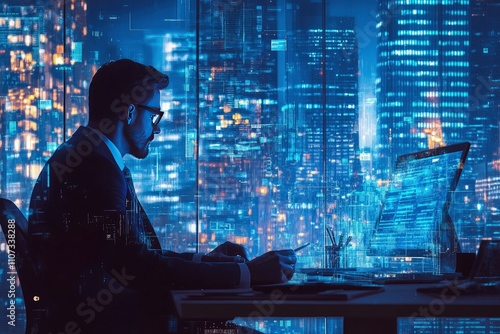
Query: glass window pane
[(283, 119), (31, 96)]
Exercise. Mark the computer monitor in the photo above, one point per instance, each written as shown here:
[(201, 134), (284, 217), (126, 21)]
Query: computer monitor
[(414, 219)]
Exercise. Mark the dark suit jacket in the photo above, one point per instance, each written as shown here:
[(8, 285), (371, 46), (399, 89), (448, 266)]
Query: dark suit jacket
[(100, 275)]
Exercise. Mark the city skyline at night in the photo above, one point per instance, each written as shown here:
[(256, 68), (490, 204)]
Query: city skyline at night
[(282, 118), (255, 121)]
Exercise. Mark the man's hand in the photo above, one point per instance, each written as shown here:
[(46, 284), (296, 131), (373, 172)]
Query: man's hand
[(230, 249), (272, 267)]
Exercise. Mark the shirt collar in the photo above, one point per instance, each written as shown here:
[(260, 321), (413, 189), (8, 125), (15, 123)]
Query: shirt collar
[(112, 148)]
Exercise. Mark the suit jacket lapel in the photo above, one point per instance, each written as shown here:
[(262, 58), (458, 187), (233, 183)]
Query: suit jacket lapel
[(151, 238), (141, 225)]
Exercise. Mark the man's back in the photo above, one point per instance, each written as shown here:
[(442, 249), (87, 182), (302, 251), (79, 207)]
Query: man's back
[(79, 183)]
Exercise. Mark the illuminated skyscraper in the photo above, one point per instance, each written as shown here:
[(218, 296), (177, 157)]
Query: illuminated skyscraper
[(484, 94), (237, 113), (342, 90), (320, 111), (329, 59), (477, 197), (485, 113), (422, 85)]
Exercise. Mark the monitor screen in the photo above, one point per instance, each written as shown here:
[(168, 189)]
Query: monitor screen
[(414, 220)]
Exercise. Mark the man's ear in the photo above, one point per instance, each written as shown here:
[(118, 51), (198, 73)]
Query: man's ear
[(130, 113)]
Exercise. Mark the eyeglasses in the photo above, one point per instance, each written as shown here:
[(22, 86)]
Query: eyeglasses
[(156, 116)]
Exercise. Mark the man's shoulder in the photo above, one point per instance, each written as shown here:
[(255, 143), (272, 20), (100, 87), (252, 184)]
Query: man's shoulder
[(83, 143), (79, 176), (93, 166), (83, 153)]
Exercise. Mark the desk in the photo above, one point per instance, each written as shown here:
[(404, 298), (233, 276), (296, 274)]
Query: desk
[(361, 315)]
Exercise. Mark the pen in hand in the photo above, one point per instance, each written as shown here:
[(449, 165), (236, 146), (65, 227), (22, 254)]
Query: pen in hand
[(301, 247)]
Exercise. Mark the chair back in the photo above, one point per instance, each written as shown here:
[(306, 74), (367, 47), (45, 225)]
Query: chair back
[(15, 228)]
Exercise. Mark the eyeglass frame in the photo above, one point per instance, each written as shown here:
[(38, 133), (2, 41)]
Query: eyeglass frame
[(153, 110)]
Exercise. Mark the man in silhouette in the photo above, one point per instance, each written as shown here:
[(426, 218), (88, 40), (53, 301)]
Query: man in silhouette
[(96, 251)]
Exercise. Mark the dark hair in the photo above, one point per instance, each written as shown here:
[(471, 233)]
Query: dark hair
[(117, 84)]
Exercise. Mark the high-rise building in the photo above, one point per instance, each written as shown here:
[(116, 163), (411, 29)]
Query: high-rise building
[(475, 199), (330, 122), (237, 111), (342, 88), (423, 76), (484, 89), (319, 112)]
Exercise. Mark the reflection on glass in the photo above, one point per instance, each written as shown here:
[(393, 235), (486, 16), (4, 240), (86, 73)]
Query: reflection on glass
[(282, 118)]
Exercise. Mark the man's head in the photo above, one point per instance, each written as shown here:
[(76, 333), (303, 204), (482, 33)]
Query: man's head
[(127, 94), (118, 84)]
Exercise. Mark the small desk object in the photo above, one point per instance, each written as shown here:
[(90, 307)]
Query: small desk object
[(362, 309)]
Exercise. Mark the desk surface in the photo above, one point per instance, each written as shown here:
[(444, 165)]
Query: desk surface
[(398, 300)]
